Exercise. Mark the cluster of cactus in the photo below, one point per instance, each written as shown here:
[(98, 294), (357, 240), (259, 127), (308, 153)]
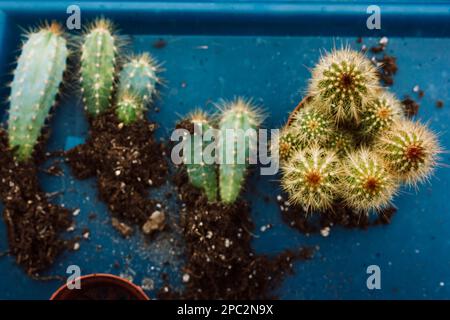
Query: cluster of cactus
[(350, 142), (225, 180), (35, 86), (136, 82)]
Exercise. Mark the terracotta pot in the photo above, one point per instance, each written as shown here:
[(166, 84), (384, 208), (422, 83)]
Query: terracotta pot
[(101, 286), (300, 105)]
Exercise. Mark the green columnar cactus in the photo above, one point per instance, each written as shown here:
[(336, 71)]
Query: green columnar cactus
[(37, 78), (310, 178), (201, 175), (139, 77), (365, 183), (237, 121), (340, 141), (342, 83), (410, 151), (311, 126), (98, 64), (380, 114), (129, 109)]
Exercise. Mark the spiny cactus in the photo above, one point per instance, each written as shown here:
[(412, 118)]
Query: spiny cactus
[(288, 144), (310, 178), (311, 126), (380, 113), (341, 142), (410, 151), (201, 175), (365, 183), (129, 109), (235, 149), (98, 65), (139, 77), (342, 83), (36, 82)]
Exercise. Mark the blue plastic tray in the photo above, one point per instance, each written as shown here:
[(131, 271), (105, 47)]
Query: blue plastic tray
[(262, 50)]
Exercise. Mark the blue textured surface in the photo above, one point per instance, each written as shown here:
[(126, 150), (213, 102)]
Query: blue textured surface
[(260, 61)]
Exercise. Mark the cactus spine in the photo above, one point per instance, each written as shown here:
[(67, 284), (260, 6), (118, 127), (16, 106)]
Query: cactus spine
[(36, 82), (410, 151), (139, 77), (365, 184), (310, 178), (98, 63), (201, 174), (342, 83), (239, 119)]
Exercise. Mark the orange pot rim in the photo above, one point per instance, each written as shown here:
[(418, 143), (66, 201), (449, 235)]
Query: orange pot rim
[(136, 290)]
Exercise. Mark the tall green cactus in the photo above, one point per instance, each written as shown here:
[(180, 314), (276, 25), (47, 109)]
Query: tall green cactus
[(98, 62), (237, 115), (139, 77), (36, 82), (201, 175)]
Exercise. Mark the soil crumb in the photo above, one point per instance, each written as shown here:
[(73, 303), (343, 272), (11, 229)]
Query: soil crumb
[(127, 161), (160, 44), (388, 69), (220, 262), (339, 215), (34, 225), (410, 107), (440, 104)]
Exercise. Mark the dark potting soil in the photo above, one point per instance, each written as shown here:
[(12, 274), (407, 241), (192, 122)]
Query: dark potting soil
[(339, 215), (126, 160), (220, 262), (34, 225)]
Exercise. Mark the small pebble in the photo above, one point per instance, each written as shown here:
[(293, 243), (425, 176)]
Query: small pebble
[(325, 232), (147, 284), (76, 246), (76, 212), (186, 277), (384, 41), (279, 198), (416, 88)]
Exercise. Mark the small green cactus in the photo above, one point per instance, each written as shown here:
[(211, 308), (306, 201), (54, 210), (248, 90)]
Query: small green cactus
[(342, 83), (201, 175), (311, 126), (340, 141), (380, 114), (37, 78), (410, 151), (236, 115), (129, 109), (365, 184), (98, 65), (310, 178), (139, 77), (288, 144)]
